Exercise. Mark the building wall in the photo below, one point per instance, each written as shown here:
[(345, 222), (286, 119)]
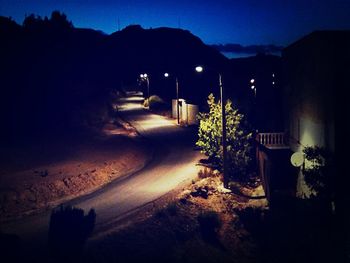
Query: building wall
[(188, 112), (192, 112), (316, 68), (312, 70)]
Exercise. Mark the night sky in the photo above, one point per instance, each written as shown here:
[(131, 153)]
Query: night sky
[(222, 21)]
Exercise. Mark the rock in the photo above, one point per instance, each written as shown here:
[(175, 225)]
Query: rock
[(186, 192), (66, 182), (201, 192)]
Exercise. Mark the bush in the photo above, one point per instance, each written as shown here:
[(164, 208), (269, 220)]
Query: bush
[(238, 138), (318, 171), (172, 209), (155, 103), (69, 229), (206, 172), (209, 223)]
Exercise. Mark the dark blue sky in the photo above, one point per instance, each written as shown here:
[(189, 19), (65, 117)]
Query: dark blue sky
[(278, 22)]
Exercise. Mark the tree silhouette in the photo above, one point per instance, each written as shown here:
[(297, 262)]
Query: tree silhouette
[(32, 22), (59, 20)]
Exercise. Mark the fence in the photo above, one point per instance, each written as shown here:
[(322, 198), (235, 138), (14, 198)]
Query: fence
[(275, 139)]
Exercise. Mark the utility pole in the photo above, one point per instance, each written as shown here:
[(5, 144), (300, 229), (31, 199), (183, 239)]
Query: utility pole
[(147, 78), (177, 101), (223, 133)]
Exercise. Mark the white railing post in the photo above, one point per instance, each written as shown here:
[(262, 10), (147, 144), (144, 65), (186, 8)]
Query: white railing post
[(271, 139)]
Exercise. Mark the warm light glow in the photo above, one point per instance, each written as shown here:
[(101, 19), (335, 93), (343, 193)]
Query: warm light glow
[(182, 170), (199, 68), (154, 122), (297, 159), (252, 81), (166, 74)]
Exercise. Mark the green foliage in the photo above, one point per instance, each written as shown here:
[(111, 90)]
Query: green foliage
[(238, 138), (318, 170)]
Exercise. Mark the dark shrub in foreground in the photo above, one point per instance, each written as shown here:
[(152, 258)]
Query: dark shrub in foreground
[(68, 232), (209, 223)]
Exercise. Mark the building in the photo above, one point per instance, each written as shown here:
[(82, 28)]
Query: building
[(316, 68)]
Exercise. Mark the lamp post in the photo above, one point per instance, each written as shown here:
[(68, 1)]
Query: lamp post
[(223, 120), (253, 87), (177, 97), (144, 76)]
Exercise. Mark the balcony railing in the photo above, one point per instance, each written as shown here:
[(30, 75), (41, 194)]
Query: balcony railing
[(275, 140)]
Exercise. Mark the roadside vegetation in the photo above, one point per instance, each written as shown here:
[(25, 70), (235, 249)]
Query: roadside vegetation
[(157, 105), (238, 140)]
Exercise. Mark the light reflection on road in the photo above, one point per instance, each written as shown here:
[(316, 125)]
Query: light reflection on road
[(174, 162)]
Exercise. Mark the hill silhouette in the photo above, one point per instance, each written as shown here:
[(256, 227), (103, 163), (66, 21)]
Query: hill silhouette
[(55, 76), (57, 79)]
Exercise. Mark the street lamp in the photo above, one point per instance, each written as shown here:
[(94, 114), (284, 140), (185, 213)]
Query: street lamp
[(177, 96), (253, 87), (145, 77), (200, 69)]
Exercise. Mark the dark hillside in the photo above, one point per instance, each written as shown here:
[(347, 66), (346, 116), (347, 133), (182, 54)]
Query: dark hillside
[(56, 79)]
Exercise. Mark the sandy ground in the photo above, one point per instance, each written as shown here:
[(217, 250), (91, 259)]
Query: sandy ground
[(168, 230), (47, 174)]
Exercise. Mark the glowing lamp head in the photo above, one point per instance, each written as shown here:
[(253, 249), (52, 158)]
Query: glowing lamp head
[(252, 81), (297, 159), (141, 75), (199, 68), (166, 74), (252, 87), (145, 75)]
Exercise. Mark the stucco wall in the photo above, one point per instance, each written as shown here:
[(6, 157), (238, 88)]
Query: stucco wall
[(188, 112)]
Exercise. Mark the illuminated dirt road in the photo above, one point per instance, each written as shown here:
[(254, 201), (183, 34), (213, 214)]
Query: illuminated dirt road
[(174, 162)]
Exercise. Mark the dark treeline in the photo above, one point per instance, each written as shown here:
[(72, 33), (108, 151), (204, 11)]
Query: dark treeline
[(49, 76)]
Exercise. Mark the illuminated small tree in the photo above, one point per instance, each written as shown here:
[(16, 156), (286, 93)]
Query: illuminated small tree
[(238, 138)]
